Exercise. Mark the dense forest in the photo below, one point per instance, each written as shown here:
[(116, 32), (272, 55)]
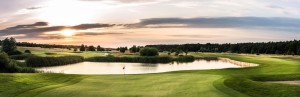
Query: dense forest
[(283, 47), (70, 47), (27, 44)]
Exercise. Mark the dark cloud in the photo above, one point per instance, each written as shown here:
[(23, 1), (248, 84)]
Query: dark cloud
[(28, 26), (38, 28), (254, 23), (197, 36), (222, 22), (96, 33), (33, 8), (90, 26), (51, 36)]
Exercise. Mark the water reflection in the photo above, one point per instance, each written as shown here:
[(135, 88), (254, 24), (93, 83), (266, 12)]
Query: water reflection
[(137, 68)]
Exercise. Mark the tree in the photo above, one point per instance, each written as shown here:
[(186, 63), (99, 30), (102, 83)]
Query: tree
[(186, 52), (91, 48), (82, 48), (9, 46), (133, 49), (86, 48), (149, 52), (4, 60), (122, 49), (75, 49), (178, 52), (99, 48)]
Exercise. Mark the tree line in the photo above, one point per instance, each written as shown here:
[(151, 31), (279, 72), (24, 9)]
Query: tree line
[(28, 44), (282, 47), (90, 48), (132, 49), (12, 43)]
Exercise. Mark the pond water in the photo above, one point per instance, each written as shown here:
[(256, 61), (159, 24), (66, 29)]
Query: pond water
[(137, 68)]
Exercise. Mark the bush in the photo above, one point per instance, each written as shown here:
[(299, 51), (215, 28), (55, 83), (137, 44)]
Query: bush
[(185, 59), (53, 61), (20, 57), (14, 52), (4, 60), (27, 51), (11, 66), (149, 52)]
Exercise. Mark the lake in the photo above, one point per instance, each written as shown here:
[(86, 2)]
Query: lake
[(140, 68)]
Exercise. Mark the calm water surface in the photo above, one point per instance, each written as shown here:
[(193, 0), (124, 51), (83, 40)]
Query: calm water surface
[(135, 68)]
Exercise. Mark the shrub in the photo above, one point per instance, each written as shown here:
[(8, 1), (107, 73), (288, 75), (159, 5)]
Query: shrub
[(149, 52), (53, 61), (14, 52), (27, 51), (20, 57), (4, 60), (184, 59), (11, 66)]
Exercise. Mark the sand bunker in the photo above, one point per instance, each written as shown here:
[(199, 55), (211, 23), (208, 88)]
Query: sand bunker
[(287, 82)]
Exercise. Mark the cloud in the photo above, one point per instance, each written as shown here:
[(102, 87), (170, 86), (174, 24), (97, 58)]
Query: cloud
[(90, 26), (197, 36), (38, 28), (33, 8), (28, 26), (129, 1), (275, 7), (255, 23), (220, 22), (96, 33)]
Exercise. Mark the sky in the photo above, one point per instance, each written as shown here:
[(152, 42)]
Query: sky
[(114, 23)]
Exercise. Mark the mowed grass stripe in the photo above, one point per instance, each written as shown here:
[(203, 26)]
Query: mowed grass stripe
[(37, 91), (149, 85)]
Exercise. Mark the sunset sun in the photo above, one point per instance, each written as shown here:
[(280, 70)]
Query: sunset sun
[(67, 33)]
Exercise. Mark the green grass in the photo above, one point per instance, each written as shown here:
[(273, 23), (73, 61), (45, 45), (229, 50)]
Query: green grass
[(56, 52), (150, 85), (14, 84), (238, 82)]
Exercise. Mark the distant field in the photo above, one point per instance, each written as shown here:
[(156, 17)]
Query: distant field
[(59, 52)]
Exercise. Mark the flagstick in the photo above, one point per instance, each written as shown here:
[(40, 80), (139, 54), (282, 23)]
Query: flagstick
[(124, 72)]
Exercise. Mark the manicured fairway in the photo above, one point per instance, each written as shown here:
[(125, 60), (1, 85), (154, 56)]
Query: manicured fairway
[(157, 85)]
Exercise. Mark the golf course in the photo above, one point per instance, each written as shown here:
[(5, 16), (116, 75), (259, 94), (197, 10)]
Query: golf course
[(231, 82)]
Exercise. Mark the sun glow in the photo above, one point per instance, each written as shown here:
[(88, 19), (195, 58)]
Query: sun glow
[(67, 33), (69, 12)]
